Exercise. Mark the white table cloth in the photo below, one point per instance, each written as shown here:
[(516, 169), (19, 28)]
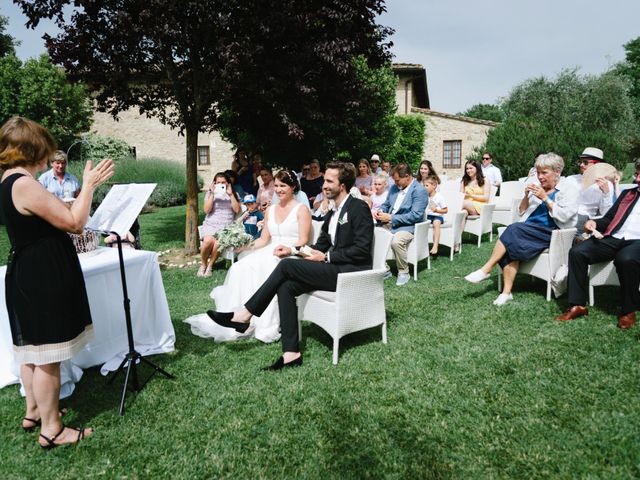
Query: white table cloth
[(152, 328)]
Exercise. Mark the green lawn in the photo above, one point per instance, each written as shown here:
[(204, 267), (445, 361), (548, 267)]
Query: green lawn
[(462, 390)]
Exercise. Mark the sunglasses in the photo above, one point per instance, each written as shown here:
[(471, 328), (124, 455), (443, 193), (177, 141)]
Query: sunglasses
[(486, 158)]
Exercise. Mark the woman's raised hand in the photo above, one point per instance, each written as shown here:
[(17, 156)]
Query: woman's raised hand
[(93, 177)]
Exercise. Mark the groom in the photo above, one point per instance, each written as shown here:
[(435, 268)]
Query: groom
[(344, 245)]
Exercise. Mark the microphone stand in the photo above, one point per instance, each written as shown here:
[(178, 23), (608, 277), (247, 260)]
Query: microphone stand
[(132, 358)]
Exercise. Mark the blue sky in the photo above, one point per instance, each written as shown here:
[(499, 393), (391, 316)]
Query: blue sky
[(476, 51)]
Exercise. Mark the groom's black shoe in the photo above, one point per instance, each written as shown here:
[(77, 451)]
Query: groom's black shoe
[(224, 320), (279, 365)]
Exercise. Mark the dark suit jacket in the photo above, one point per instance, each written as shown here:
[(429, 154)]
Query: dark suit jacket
[(603, 223), (354, 236)]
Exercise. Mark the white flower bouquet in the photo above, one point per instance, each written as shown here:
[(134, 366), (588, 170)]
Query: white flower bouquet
[(233, 235)]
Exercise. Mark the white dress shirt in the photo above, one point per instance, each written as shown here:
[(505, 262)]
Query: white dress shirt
[(630, 229), (593, 202), (400, 198), (333, 223)]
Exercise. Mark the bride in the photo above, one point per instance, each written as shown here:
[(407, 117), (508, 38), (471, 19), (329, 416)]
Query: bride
[(287, 223)]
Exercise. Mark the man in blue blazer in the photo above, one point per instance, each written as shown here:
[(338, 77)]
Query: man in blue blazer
[(404, 207)]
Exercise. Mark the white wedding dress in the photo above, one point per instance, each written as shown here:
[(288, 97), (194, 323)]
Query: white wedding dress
[(243, 279)]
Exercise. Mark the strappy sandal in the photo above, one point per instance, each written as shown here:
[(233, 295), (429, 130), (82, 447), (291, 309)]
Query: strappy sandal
[(36, 423), (51, 441)]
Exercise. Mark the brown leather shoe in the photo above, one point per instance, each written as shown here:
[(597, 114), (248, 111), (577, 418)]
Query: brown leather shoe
[(627, 321), (572, 313)]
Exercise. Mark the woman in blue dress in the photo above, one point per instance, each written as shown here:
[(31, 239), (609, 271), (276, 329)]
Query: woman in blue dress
[(548, 204)]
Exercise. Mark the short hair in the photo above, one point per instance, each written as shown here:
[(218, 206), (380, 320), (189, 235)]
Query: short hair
[(24, 142), (549, 160), (382, 176), (346, 173), (59, 156), (432, 179), (487, 153), (403, 170), (288, 178)]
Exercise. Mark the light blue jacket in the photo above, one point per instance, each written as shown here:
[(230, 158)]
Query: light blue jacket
[(411, 209)]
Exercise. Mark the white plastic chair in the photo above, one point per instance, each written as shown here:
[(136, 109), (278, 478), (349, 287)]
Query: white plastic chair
[(418, 248), (600, 274), (509, 191), (545, 265), (451, 229), (449, 185), (316, 228), (357, 303), (478, 225)]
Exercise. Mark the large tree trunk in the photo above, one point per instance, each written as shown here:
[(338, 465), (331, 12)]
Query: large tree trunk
[(191, 224)]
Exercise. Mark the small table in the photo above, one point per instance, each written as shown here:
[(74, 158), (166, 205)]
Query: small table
[(152, 328)]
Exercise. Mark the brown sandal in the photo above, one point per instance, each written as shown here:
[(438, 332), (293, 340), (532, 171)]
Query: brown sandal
[(51, 441)]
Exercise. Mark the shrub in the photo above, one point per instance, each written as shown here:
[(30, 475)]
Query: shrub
[(169, 176), (97, 147), (409, 145)]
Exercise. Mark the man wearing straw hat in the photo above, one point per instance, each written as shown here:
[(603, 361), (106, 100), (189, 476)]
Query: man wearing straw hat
[(596, 198)]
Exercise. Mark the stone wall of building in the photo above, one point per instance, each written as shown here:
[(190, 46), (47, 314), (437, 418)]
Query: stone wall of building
[(441, 127), (153, 139)]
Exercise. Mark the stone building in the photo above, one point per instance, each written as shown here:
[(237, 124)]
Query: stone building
[(448, 138)]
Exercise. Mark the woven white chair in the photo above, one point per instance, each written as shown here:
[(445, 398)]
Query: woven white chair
[(451, 229), (478, 225), (509, 191), (357, 303), (600, 274), (450, 185), (418, 248), (545, 265), (316, 228)]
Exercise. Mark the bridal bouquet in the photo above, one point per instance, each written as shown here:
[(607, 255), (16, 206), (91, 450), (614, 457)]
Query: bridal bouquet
[(233, 235)]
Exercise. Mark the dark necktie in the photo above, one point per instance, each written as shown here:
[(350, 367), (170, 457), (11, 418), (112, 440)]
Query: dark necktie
[(625, 204)]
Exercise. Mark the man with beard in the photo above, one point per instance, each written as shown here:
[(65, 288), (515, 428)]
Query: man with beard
[(344, 245)]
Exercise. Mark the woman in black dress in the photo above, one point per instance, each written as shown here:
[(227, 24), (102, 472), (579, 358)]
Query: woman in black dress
[(44, 287)]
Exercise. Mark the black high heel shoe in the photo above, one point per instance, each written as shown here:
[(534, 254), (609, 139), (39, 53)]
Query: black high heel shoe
[(279, 365), (224, 320)]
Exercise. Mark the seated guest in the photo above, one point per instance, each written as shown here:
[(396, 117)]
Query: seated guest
[(405, 206), (476, 190), (266, 190), (58, 181), (380, 192), (233, 176), (364, 180), (220, 206), (311, 184), (491, 173), (618, 240), (437, 207), (550, 205), (375, 164), (425, 170), (253, 217), (596, 199), (246, 176), (324, 205)]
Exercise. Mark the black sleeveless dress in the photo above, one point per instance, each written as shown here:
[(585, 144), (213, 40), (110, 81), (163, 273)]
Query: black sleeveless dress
[(44, 287)]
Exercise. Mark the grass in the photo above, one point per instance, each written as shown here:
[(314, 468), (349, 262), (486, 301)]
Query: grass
[(462, 390)]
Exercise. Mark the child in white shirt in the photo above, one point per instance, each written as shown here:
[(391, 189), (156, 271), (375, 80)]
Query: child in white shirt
[(436, 208)]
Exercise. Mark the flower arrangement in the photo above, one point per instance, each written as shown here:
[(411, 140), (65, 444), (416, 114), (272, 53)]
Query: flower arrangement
[(233, 235)]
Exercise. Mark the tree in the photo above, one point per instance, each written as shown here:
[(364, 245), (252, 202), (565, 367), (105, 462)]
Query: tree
[(7, 42), (409, 143), (39, 90), (563, 115), (630, 68), (276, 63), (484, 111)]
